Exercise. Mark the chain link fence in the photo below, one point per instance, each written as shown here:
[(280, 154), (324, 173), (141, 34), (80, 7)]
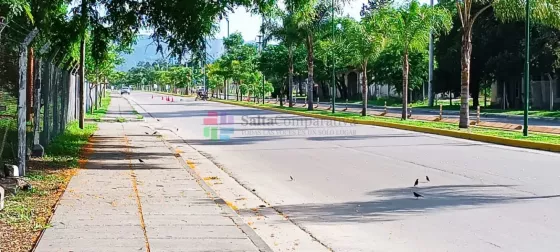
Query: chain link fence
[(39, 95)]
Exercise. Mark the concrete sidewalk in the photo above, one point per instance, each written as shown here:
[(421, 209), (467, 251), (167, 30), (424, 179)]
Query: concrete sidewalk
[(120, 108), (118, 203)]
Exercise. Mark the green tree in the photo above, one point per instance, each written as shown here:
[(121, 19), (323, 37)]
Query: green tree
[(307, 17), (367, 39), (410, 29), (544, 11), (272, 64)]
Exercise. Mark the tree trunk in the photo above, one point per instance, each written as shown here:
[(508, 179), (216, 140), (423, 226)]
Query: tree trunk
[(475, 93), (310, 83), (364, 89), (465, 74), (282, 89), (290, 75), (91, 99), (300, 84), (450, 98), (237, 91), (405, 86), (96, 90)]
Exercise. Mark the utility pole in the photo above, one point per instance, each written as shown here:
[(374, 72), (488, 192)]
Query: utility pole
[(82, 65), (333, 97), (431, 67), (260, 54), (227, 82), (204, 66), (527, 65), (30, 74), (262, 49)]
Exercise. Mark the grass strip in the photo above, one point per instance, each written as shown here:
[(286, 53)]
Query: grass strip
[(28, 212), (505, 134), (101, 111)]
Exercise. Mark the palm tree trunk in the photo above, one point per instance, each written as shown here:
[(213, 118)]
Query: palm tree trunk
[(290, 74), (465, 74), (237, 91), (405, 86), (364, 89), (309, 41)]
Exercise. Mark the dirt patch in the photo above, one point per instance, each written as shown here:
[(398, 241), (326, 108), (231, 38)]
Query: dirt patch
[(27, 213)]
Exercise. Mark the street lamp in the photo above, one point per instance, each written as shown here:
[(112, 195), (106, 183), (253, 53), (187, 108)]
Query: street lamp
[(227, 82), (527, 78), (261, 45), (431, 66)]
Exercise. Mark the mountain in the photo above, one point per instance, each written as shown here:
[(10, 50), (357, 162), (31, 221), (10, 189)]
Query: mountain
[(145, 50)]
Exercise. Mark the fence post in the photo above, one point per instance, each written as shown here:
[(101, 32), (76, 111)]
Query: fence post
[(56, 96), (385, 107), (38, 149), (47, 94), (478, 114), (22, 109)]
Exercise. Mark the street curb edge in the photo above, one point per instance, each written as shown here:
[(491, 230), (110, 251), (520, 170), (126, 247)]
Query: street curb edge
[(462, 135)]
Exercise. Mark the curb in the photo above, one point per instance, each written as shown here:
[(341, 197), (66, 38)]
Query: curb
[(449, 133), (114, 120), (454, 112), (171, 94)]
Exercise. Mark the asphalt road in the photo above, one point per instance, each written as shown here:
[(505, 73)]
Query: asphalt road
[(353, 184)]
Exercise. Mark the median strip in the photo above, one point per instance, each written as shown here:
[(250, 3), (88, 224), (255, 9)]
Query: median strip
[(538, 141)]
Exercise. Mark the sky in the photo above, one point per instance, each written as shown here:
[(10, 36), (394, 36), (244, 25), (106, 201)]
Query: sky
[(249, 25)]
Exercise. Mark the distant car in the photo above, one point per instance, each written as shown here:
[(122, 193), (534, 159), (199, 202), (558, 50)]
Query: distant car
[(125, 91)]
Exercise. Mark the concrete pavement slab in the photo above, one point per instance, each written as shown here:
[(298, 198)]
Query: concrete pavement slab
[(117, 203)]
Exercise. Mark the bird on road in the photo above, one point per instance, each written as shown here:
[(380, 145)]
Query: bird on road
[(141, 161), (416, 182), (427, 178), (291, 178), (417, 195), (155, 132), (147, 133)]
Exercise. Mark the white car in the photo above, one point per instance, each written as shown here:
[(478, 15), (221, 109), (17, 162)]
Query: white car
[(125, 90)]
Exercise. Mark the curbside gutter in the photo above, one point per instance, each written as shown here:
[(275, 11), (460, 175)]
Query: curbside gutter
[(449, 133)]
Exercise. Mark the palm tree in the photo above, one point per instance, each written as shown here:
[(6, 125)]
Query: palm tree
[(287, 32), (367, 39), (307, 17), (544, 11), (410, 29)]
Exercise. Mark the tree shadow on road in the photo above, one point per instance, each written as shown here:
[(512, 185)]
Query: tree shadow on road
[(396, 203)]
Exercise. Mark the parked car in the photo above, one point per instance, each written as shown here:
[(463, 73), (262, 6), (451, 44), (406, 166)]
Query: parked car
[(125, 90)]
